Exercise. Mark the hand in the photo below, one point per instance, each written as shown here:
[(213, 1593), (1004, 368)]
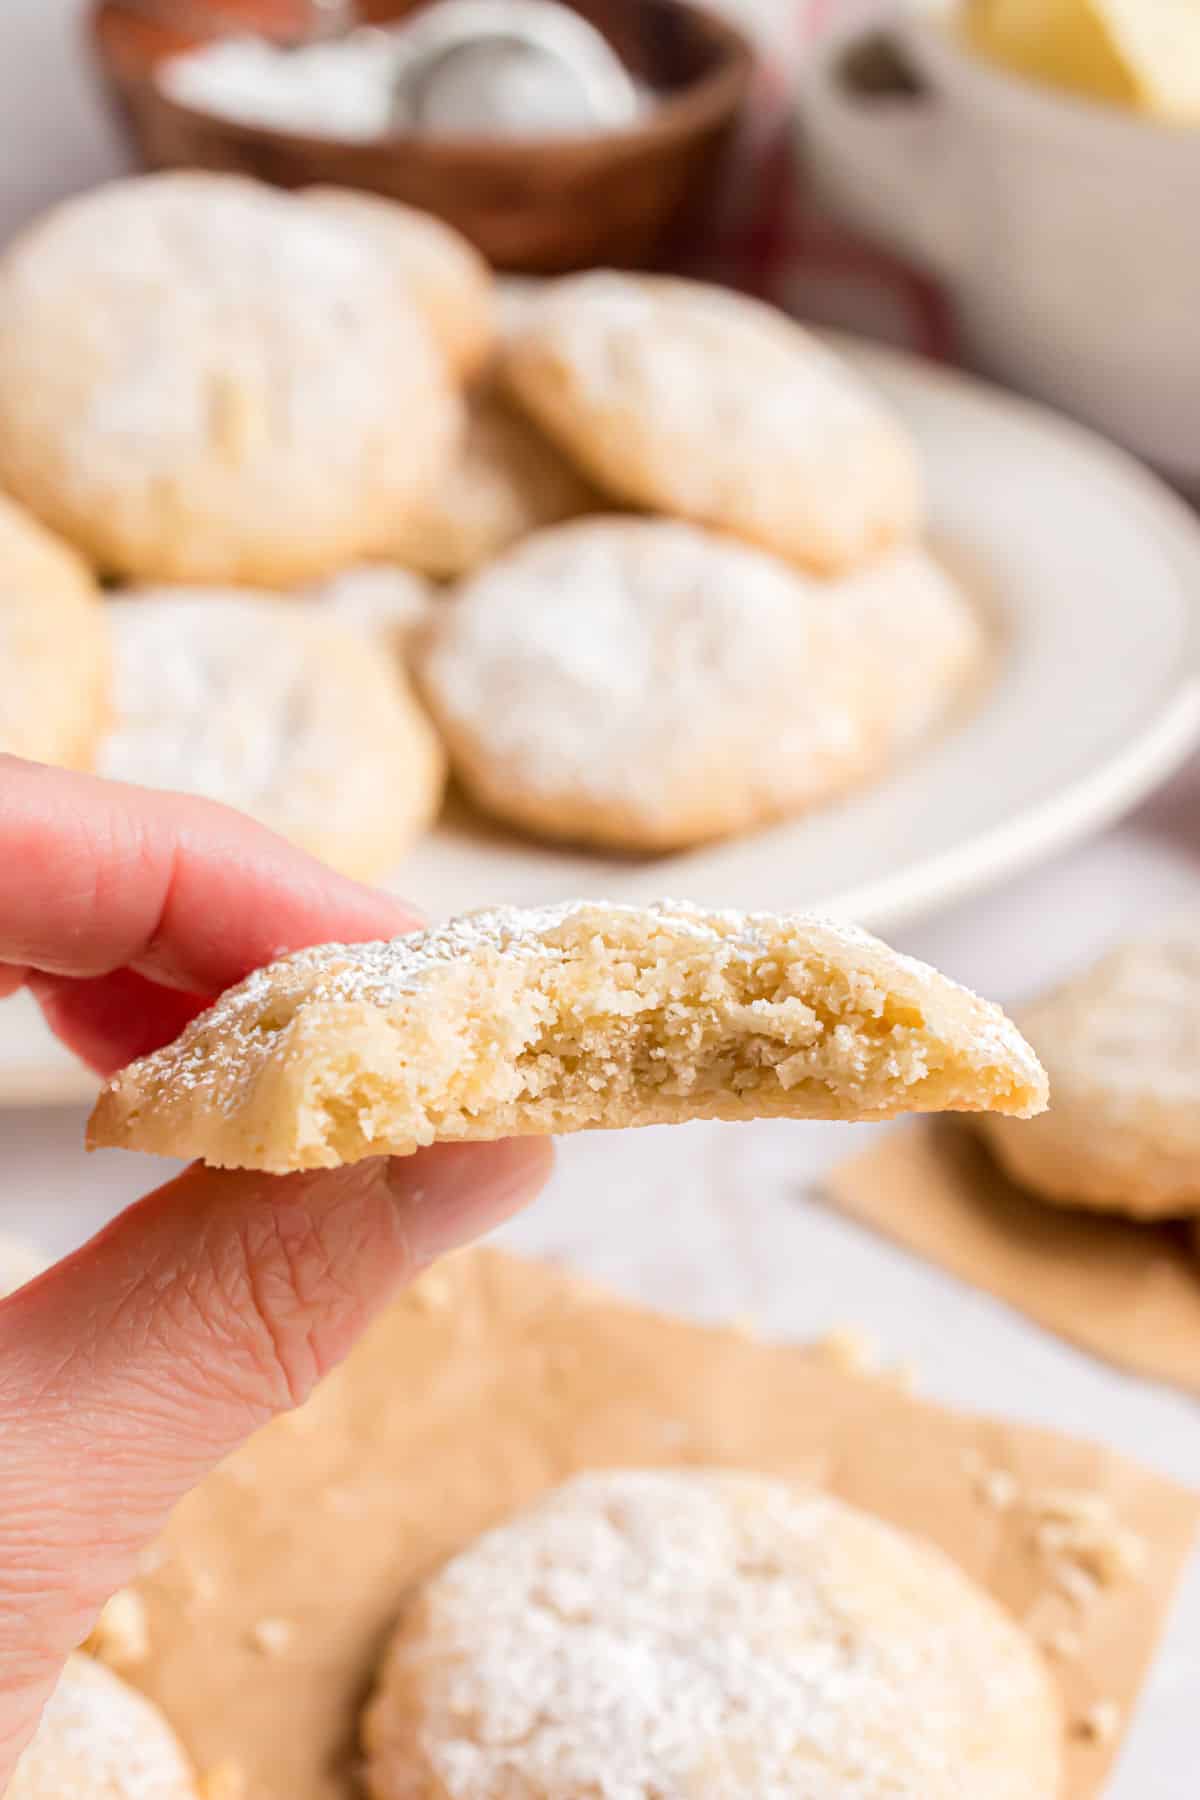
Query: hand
[(219, 1300)]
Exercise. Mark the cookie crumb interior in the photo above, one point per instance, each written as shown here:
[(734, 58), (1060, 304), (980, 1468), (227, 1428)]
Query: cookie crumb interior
[(584, 1016)]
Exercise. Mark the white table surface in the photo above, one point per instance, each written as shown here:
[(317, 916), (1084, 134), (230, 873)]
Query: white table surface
[(718, 1221)]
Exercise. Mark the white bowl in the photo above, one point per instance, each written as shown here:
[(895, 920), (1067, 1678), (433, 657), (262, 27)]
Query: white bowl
[(1066, 233)]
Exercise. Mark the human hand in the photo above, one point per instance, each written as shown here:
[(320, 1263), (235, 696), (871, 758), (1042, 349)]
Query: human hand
[(220, 1299)]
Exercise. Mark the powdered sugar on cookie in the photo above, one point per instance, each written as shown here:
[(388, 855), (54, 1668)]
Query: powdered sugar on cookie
[(691, 400), (704, 1633), (579, 1017), (97, 1736), (648, 685)]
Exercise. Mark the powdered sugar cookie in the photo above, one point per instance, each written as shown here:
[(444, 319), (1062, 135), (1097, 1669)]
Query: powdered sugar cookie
[(275, 710), (521, 1023), (1121, 1043), (444, 274), (206, 379), (691, 400), (710, 1634), (100, 1740), (647, 685), (391, 606), (507, 481), (54, 653)]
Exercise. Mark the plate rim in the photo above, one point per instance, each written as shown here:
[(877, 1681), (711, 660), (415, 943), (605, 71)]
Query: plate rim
[(1131, 772)]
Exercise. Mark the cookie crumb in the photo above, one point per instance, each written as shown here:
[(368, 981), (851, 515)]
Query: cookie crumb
[(1064, 1644), (272, 1636), (203, 1585), (904, 1376), (849, 1348), (1081, 1528), (121, 1635), (998, 1487), (1076, 1583), (224, 1781), (1100, 1723), (431, 1293)]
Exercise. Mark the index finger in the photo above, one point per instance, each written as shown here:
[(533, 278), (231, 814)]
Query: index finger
[(97, 876)]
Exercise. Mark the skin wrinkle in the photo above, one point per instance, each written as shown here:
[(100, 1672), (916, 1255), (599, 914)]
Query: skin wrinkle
[(292, 1256), (155, 951)]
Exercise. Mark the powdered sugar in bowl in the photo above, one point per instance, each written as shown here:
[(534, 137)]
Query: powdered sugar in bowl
[(591, 178)]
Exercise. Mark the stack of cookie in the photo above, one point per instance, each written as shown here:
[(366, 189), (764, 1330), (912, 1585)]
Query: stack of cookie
[(645, 549)]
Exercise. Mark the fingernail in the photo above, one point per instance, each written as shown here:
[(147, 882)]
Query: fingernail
[(454, 1193)]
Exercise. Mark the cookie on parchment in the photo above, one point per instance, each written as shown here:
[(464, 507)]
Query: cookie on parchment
[(101, 1740), (54, 649), (694, 401), (712, 1634), (1121, 1045), (271, 707), (568, 1018), (206, 379), (645, 685)]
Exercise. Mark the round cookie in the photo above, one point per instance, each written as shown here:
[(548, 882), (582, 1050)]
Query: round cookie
[(1121, 1043), (507, 481), (270, 707), (99, 1740), (645, 685), (54, 651), (391, 606), (439, 269), (639, 1634), (575, 1017), (206, 379), (694, 401)]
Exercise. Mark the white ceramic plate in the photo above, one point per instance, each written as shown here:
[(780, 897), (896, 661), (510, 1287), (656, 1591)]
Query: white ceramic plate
[(1089, 571)]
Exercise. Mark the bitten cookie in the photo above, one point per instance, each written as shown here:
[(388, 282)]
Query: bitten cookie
[(692, 400), (508, 480), (54, 650), (639, 1634), (206, 379), (100, 1740), (581, 1016), (270, 707), (438, 268), (645, 685), (1121, 1044)]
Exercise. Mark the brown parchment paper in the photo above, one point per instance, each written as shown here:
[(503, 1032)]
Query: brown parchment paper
[(1128, 1292), (492, 1381)]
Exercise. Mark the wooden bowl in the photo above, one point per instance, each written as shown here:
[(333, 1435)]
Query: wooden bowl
[(540, 206)]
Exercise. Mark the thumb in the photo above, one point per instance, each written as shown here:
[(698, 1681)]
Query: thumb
[(130, 1370)]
